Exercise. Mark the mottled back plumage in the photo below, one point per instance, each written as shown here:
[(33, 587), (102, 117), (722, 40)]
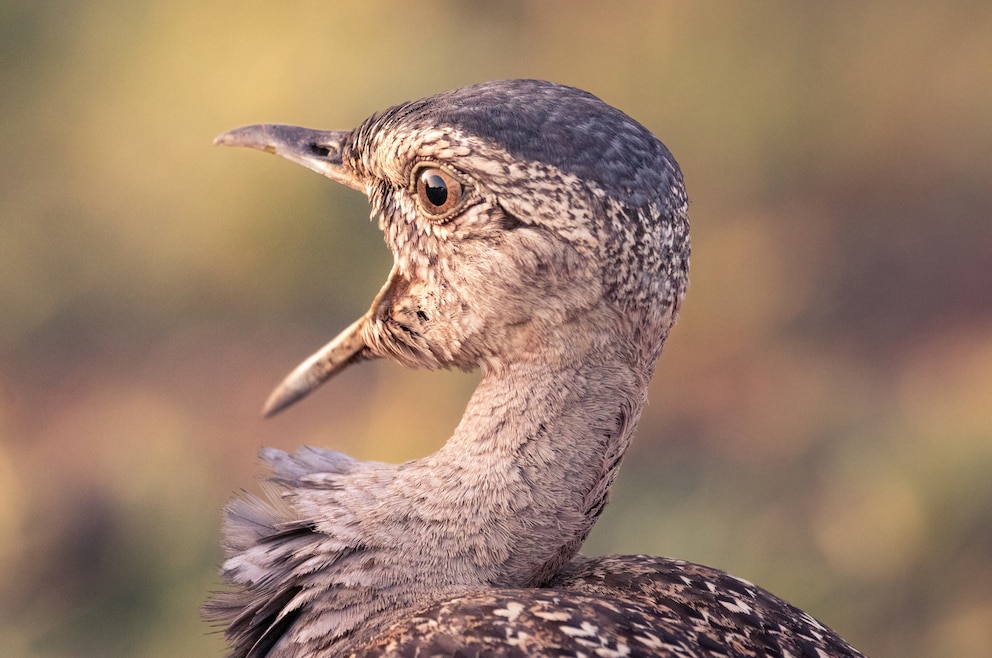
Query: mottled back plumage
[(542, 236)]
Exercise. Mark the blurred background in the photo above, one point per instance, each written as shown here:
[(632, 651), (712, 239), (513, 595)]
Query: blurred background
[(821, 420)]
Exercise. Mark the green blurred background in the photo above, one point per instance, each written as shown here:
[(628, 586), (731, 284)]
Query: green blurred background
[(821, 421)]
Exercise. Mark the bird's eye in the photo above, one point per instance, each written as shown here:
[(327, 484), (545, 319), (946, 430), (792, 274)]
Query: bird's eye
[(438, 192)]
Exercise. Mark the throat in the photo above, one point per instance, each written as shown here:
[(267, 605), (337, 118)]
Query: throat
[(529, 468)]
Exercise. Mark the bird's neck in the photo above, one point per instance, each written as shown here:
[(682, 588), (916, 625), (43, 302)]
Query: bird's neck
[(506, 502), (528, 469)]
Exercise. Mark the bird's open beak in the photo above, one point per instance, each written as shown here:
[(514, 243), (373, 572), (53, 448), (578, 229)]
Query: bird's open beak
[(320, 151)]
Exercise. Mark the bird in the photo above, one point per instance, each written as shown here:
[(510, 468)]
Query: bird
[(541, 236)]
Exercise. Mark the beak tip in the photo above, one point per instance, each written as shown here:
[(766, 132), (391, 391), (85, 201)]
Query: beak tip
[(235, 137), (280, 398), (258, 136)]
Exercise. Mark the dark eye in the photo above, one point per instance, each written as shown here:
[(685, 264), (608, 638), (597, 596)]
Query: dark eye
[(438, 192)]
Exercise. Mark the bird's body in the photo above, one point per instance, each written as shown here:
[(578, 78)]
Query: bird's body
[(614, 606), (541, 235)]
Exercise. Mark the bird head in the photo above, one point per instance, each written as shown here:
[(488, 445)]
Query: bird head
[(512, 209)]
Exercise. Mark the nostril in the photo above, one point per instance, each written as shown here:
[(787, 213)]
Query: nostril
[(318, 150)]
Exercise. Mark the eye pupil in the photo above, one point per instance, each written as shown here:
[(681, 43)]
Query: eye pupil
[(435, 189)]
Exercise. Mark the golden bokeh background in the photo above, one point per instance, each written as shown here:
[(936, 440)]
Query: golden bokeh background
[(821, 421)]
